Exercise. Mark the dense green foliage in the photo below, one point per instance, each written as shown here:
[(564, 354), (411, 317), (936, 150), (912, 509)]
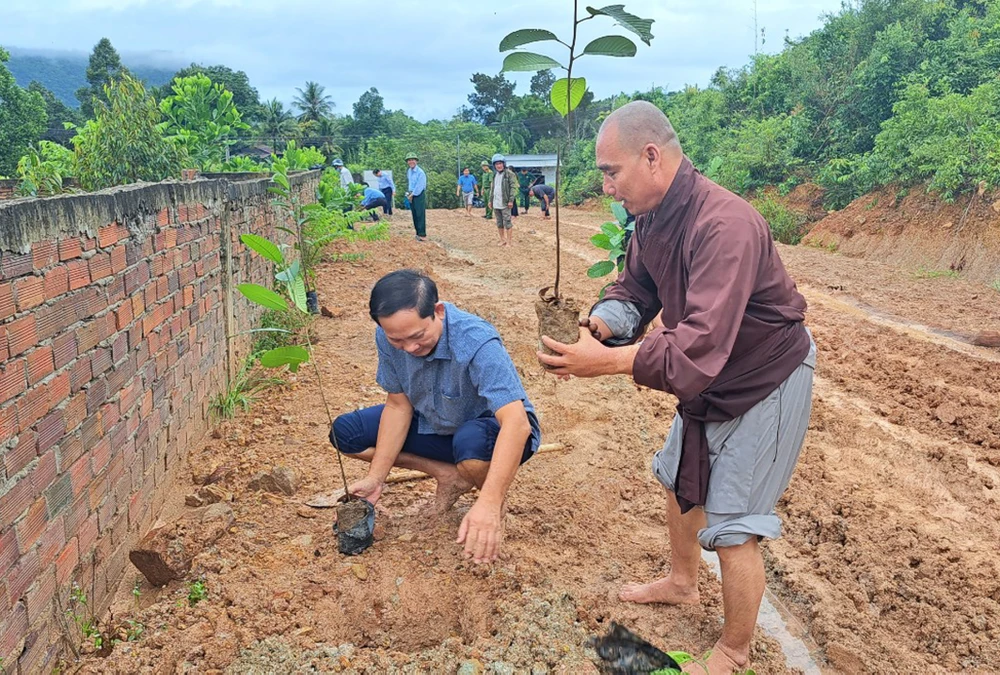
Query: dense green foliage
[(201, 119), (22, 118), (886, 92), (245, 97), (124, 143), (43, 169)]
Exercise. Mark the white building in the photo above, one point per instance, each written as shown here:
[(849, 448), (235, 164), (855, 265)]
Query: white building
[(540, 164)]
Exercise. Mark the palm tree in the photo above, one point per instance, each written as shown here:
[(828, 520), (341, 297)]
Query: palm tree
[(276, 122), (313, 102), (512, 131)]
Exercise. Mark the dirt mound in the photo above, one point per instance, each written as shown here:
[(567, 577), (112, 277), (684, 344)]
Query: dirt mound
[(912, 229), (807, 199)]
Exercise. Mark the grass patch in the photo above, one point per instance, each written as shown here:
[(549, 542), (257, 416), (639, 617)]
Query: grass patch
[(245, 388), (928, 273), (996, 285)]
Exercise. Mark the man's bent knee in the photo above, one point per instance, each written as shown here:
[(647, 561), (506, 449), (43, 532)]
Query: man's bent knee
[(347, 434)]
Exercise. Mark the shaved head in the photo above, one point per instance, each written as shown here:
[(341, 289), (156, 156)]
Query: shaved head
[(639, 154), (639, 123)]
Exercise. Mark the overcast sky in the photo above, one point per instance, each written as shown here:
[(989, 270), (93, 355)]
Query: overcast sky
[(420, 54)]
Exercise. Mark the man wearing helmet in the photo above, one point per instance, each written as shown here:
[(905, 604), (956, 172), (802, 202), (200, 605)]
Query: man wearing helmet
[(345, 175), (417, 194), (502, 197)]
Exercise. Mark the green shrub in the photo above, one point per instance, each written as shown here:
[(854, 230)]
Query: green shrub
[(786, 225)]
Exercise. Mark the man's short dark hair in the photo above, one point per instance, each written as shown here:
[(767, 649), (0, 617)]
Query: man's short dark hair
[(402, 290), (377, 171)]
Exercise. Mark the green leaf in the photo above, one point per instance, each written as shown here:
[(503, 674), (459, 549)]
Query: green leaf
[(292, 357), (640, 27), (619, 212), (611, 45), (525, 36), (528, 62), (297, 289), (282, 180), (610, 229), (264, 247), (288, 275), (601, 240), (600, 269), (576, 92), (617, 239), (680, 657), (263, 297)]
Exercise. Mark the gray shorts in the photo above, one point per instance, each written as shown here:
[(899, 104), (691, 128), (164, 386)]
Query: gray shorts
[(503, 218), (752, 458), (467, 198)]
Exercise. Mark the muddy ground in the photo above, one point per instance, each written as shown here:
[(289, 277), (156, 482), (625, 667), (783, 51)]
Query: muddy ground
[(891, 521)]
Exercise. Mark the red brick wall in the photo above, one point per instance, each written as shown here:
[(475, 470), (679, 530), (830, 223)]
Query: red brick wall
[(7, 187), (113, 339)]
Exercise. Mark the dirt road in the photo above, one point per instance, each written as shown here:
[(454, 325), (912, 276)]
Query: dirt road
[(891, 521)]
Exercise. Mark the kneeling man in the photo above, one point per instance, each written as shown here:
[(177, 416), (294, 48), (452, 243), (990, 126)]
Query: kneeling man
[(456, 408)]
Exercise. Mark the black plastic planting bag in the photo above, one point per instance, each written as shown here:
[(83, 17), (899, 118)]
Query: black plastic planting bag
[(355, 526), (622, 652)]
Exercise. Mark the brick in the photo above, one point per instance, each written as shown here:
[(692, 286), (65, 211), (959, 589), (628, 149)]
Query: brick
[(116, 290), (58, 496), (8, 554), (69, 249), (64, 349), (32, 406), (40, 364), (29, 292), (109, 418), (8, 423), (86, 535), (100, 266), (59, 389), (38, 599), (79, 274), (13, 379), (97, 394), (75, 410), (56, 282), (51, 542), (100, 454), (100, 360), (21, 454), (87, 336), (50, 429), (80, 474), (15, 265), (52, 320), (79, 373), (69, 450), (7, 307), (15, 502), (91, 431), (30, 528), (66, 562), (44, 473), (109, 235), (13, 628), (44, 253), (118, 261), (21, 335)]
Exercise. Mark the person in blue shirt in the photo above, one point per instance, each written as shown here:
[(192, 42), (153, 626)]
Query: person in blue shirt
[(387, 186), (416, 193), (372, 199), (467, 188), (455, 408)]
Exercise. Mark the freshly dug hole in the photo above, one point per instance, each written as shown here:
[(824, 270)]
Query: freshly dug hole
[(559, 319)]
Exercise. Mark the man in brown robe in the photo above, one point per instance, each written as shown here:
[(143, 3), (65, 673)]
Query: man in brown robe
[(732, 348)]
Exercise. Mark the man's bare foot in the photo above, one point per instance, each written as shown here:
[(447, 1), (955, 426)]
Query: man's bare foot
[(719, 662), (662, 590)]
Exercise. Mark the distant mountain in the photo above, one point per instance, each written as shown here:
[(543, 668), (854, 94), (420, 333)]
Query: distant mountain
[(65, 72)]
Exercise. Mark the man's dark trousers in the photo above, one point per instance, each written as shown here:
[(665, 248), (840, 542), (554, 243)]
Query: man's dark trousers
[(418, 206)]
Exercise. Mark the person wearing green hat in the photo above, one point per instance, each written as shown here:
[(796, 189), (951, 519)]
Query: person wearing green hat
[(485, 183), (417, 194)]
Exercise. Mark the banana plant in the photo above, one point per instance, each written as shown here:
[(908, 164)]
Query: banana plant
[(567, 93)]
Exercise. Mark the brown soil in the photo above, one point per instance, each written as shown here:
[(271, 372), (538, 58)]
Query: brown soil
[(891, 520), (558, 319), (918, 231)]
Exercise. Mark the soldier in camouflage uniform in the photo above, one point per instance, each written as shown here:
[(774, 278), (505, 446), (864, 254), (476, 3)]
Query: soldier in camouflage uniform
[(485, 187)]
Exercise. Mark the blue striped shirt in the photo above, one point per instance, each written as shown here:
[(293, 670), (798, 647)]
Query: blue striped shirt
[(384, 181), (469, 374), (417, 179)]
